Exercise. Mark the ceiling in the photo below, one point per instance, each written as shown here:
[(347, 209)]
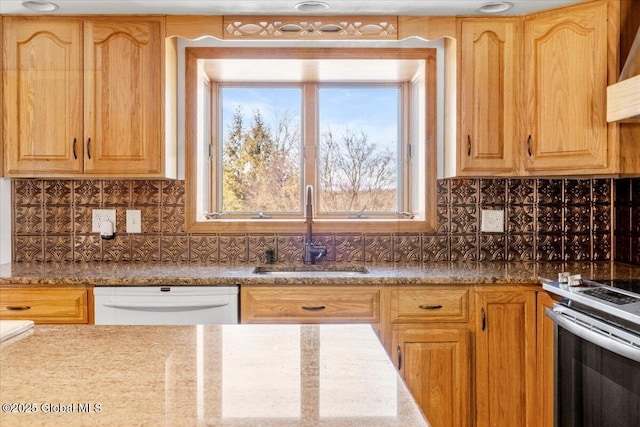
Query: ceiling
[(279, 7)]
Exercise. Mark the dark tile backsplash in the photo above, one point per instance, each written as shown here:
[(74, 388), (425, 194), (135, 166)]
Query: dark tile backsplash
[(545, 219), (627, 228)]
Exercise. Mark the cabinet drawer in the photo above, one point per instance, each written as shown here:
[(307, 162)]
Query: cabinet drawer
[(45, 305), (310, 304), (428, 304)]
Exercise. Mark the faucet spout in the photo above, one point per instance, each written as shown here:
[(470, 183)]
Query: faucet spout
[(312, 252), (308, 212)]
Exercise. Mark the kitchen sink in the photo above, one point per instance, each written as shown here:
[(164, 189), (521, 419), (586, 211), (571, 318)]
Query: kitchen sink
[(319, 270)]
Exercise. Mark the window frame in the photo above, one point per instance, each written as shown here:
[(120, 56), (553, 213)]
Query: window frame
[(325, 223)]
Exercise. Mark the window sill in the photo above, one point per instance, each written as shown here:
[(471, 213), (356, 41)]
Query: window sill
[(319, 226)]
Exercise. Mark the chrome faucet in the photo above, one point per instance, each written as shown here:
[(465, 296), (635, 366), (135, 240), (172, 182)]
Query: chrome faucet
[(312, 252)]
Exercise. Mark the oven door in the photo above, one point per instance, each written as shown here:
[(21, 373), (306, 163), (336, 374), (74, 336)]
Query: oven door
[(597, 372)]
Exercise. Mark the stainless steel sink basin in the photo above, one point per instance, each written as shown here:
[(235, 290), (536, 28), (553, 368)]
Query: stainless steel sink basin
[(305, 270)]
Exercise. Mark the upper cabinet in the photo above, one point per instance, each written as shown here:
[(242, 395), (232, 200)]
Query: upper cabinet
[(489, 64), (566, 82), (43, 86), (87, 96), (532, 94)]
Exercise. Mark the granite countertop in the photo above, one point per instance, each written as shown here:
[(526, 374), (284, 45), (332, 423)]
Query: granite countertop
[(147, 274), (231, 375)]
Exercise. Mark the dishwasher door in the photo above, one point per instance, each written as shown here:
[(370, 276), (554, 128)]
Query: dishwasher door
[(166, 305)]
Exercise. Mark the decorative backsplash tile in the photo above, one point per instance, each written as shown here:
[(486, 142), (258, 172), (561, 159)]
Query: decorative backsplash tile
[(627, 223), (545, 219)]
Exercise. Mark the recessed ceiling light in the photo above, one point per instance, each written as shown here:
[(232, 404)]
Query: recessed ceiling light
[(495, 7), (40, 5), (311, 6)]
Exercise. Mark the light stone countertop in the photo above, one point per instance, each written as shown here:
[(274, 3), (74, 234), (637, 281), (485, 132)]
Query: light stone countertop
[(149, 274), (231, 375)]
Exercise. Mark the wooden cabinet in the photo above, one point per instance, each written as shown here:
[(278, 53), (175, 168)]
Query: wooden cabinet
[(310, 304), (435, 366), (566, 60), (46, 305), (532, 94), (43, 83), (431, 346), (545, 356), (490, 65), (505, 357), (470, 355), (87, 96)]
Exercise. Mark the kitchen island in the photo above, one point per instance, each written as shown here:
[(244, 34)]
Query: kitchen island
[(231, 375)]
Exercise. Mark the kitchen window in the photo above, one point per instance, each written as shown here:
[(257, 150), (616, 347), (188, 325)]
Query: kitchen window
[(357, 124)]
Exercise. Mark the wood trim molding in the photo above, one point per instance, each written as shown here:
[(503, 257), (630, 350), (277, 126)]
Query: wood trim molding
[(311, 27)]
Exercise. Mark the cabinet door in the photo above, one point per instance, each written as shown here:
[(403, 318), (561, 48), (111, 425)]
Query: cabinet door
[(566, 57), (545, 360), (506, 358), (42, 91), (489, 67), (435, 366), (123, 99)]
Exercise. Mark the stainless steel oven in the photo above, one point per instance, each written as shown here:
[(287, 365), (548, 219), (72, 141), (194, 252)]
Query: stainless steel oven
[(597, 354)]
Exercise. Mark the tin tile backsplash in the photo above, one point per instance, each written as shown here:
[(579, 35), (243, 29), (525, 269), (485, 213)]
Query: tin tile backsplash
[(627, 228), (545, 219)]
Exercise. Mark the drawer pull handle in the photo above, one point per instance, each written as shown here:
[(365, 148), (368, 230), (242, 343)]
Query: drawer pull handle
[(313, 307), (18, 307), (430, 307), (399, 351)]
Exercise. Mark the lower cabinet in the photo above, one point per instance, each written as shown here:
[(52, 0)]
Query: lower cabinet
[(46, 305), (471, 355), (545, 378), (435, 365), (505, 357), (310, 304), (431, 346)]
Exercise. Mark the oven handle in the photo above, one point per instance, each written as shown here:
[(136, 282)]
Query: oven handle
[(142, 306), (597, 338)]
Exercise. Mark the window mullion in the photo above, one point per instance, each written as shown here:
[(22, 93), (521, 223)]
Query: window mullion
[(310, 136)]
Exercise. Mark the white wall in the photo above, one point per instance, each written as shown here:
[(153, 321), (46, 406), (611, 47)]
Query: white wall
[(5, 220)]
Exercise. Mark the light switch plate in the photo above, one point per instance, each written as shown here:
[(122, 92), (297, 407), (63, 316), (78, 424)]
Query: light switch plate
[(100, 215), (492, 221), (134, 219)]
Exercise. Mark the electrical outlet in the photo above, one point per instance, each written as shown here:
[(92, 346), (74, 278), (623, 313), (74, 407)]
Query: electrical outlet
[(100, 215), (492, 221), (134, 219)]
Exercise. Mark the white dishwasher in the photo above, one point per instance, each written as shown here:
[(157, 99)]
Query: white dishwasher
[(166, 305)]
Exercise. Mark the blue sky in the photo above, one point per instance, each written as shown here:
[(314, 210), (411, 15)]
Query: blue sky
[(374, 110)]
